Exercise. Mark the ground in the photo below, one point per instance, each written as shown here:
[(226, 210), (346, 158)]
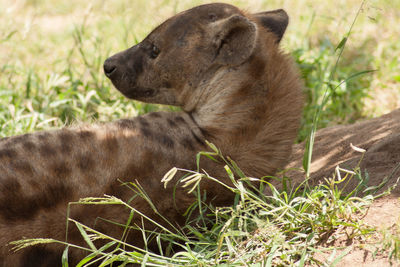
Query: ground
[(381, 139), (384, 215)]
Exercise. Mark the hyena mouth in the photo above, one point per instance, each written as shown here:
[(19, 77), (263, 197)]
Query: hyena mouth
[(138, 93)]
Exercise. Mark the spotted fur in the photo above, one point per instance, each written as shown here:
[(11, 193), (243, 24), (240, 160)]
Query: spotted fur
[(222, 66)]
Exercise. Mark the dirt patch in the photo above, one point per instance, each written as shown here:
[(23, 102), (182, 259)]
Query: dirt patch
[(380, 138), (384, 216)]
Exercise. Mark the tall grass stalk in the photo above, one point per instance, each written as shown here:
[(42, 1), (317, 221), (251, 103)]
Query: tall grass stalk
[(340, 47), (310, 140)]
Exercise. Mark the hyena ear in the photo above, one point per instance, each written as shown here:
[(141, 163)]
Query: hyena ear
[(276, 21), (234, 39)]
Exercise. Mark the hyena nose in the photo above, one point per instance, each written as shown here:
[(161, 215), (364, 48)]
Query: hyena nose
[(109, 67)]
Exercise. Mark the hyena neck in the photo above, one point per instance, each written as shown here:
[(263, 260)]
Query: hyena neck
[(257, 116), (224, 110)]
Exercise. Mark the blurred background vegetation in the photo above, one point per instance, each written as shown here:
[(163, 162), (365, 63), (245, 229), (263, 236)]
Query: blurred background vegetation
[(51, 55)]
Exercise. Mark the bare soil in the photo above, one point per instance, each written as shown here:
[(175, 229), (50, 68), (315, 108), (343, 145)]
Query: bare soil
[(380, 137)]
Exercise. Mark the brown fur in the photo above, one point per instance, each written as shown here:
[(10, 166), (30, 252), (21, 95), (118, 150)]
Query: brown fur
[(236, 89)]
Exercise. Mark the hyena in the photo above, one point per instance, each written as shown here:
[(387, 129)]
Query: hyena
[(236, 89)]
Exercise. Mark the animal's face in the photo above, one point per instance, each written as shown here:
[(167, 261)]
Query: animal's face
[(183, 52)]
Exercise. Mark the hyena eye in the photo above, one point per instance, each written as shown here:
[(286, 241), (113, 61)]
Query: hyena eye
[(154, 51), (212, 17)]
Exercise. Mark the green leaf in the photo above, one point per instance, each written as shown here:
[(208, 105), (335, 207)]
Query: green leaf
[(271, 255), (308, 151), (341, 44), (341, 256), (94, 254), (85, 236), (86, 259), (64, 258)]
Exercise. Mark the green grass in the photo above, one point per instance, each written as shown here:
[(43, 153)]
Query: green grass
[(288, 227), (51, 55)]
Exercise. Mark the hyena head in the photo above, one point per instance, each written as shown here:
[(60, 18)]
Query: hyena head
[(187, 49)]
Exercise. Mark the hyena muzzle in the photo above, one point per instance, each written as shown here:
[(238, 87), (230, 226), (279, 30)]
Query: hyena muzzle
[(222, 66)]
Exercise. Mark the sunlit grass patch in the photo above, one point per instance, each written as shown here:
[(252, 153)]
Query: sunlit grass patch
[(51, 56)]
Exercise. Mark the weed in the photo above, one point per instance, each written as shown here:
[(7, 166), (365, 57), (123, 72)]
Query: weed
[(287, 227)]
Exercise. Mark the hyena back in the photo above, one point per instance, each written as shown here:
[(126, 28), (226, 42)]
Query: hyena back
[(222, 66)]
